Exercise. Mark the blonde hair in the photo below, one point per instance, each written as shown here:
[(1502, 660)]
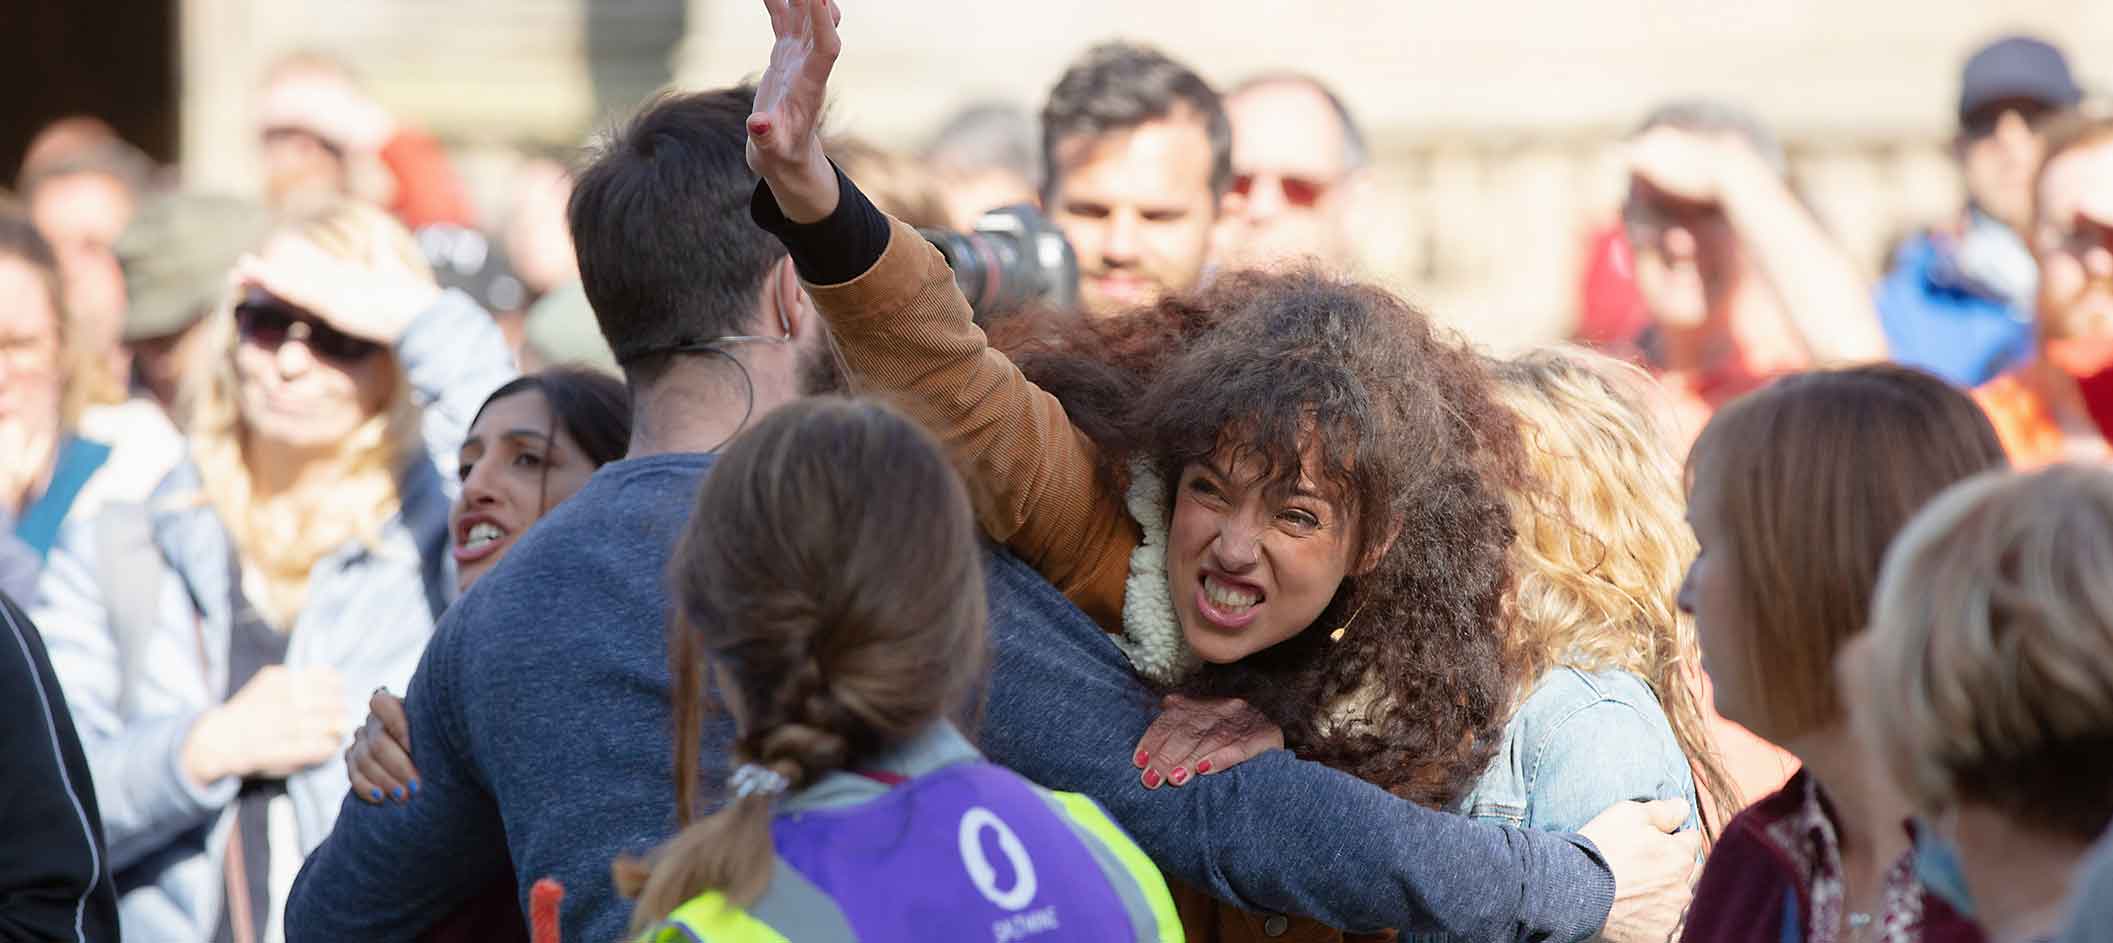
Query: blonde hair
[(1601, 544), (280, 541), (1813, 476), (1991, 654)]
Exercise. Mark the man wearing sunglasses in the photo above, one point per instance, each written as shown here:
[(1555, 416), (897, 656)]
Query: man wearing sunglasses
[(2059, 405), (1958, 301), (1299, 163), (1138, 155)]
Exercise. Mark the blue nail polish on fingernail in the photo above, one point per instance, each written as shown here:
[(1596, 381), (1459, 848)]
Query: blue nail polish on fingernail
[(414, 787), (377, 795), (399, 793)]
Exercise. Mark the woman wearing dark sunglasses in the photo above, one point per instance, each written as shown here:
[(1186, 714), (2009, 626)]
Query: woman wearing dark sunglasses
[(217, 645)]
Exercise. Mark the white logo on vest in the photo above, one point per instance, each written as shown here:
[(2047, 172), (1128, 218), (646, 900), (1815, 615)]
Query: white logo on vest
[(979, 870)]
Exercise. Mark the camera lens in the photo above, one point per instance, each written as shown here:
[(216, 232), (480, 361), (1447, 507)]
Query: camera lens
[(1014, 259)]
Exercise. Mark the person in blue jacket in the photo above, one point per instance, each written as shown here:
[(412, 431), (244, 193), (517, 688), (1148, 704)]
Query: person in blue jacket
[(1958, 301)]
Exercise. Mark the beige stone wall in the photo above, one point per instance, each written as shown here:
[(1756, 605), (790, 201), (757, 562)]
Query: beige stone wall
[(1492, 121)]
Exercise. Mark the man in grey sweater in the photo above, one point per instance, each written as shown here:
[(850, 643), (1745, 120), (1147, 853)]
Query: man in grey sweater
[(539, 718)]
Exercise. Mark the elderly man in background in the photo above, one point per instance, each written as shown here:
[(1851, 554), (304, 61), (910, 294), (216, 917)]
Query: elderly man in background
[(1300, 166), (83, 184)]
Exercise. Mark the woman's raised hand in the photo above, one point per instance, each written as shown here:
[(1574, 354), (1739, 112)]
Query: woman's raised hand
[(784, 133)]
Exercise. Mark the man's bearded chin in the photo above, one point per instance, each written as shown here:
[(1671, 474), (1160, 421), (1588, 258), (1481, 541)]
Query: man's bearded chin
[(2081, 341), (819, 371), (2081, 356)]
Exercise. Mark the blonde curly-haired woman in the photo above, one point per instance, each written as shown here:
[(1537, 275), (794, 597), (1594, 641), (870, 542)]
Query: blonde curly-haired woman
[(1609, 711), (217, 644)]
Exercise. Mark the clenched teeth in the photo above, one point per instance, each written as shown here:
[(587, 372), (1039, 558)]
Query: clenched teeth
[(1229, 597)]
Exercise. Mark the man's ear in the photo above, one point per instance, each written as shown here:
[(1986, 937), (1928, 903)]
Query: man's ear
[(788, 299)]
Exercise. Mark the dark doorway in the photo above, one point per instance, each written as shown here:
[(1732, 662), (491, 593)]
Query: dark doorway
[(115, 60)]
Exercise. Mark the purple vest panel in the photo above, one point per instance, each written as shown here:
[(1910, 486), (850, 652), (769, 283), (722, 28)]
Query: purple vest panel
[(971, 853)]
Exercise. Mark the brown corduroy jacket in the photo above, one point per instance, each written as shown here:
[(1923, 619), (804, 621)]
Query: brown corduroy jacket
[(907, 334)]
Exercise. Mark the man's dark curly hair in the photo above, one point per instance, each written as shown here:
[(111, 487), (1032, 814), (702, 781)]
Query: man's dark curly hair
[(1410, 436)]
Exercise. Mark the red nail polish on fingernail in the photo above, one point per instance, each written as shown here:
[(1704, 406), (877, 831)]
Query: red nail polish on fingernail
[(1151, 779), (1141, 759), (1203, 767), (758, 127), (1180, 776)]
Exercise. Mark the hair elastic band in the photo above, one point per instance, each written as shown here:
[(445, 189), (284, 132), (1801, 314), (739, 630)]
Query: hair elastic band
[(750, 779)]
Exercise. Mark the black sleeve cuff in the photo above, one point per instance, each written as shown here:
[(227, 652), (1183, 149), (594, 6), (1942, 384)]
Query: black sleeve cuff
[(834, 250)]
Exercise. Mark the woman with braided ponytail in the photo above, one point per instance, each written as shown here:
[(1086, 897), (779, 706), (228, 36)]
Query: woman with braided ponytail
[(831, 583)]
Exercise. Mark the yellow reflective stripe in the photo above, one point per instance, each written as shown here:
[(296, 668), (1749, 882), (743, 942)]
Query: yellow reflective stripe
[(710, 918), (1154, 887)]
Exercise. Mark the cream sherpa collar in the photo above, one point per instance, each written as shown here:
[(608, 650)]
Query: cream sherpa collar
[(1151, 635)]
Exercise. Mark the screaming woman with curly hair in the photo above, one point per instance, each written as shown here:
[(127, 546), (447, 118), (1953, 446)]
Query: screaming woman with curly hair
[(1288, 489)]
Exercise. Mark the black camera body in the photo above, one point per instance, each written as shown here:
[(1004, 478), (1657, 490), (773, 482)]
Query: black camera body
[(1014, 259)]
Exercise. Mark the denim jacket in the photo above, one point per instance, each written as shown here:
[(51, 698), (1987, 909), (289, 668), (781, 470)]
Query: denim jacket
[(1582, 741)]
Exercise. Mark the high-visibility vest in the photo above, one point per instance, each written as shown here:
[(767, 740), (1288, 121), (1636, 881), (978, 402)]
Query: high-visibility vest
[(971, 852)]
